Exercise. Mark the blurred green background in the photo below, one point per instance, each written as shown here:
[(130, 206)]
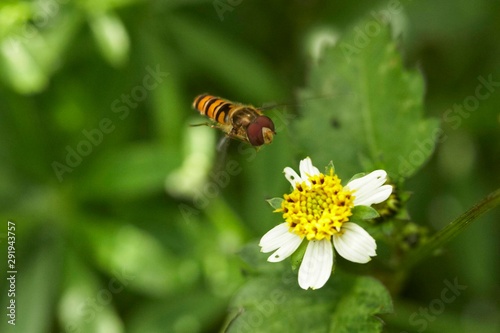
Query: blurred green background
[(126, 219)]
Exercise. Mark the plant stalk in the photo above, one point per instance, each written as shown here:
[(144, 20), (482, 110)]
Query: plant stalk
[(453, 229)]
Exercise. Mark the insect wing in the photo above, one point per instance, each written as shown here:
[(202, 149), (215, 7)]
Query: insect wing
[(223, 145)]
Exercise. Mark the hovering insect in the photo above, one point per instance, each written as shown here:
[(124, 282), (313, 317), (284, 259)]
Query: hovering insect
[(242, 122)]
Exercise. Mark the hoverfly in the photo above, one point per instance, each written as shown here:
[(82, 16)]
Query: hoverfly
[(242, 122)]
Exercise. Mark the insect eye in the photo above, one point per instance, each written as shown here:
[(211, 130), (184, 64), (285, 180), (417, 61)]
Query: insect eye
[(261, 131), (265, 122)]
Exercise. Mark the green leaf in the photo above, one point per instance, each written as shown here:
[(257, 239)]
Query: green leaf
[(277, 304), (374, 116), (85, 304), (221, 56), (364, 213), (356, 309), (192, 176), (111, 37), (34, 288), (135, 256), (32, 50), (275, 202), (168, 95), (130, 172), (20, 68), (188, 312)]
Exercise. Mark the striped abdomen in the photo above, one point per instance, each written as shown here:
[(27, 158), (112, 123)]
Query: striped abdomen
[(215, 108)]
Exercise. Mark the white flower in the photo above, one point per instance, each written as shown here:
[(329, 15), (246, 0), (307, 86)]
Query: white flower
[(318, 210)]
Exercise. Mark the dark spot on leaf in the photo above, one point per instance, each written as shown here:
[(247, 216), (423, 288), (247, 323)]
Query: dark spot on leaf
[(335, 123)]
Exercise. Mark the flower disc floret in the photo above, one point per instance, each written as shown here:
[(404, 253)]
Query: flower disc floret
[(317, 211)]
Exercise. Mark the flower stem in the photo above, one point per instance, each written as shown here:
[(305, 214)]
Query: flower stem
[(453, 229)]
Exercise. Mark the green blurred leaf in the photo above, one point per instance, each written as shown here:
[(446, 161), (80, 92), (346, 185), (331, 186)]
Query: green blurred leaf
[(31, 51), (277, 304), (20, 67), (111, 37), (168, 107), (412, 317), (191, 178), (85, 305), (13, 15), (230, 228), (196, 311), (374, 116), (57, 37), (131, 172), (99, 6), (136, 256), (222, 55), (36, 287)]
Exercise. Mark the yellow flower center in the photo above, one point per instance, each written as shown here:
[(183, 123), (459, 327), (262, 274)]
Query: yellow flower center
[(317, 211)]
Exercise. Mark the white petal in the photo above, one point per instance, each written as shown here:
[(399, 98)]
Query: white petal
[(275, 238), (286, 249), (355, 244), (280, 239), (292, 176), (372, 180), (376, 196), (369, 189), (307, 169), (316, 265)]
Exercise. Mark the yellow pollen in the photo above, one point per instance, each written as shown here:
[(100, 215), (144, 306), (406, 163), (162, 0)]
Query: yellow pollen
[(317, 211)]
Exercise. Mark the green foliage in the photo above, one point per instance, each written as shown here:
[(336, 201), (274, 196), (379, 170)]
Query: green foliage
[(374, 116), (143, 226), (79, 289), (275, 303), (111, 37)]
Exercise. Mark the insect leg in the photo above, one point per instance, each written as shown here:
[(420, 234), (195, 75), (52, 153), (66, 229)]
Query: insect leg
[(204, 124)]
